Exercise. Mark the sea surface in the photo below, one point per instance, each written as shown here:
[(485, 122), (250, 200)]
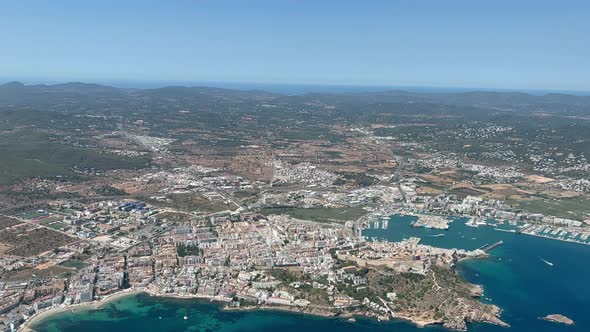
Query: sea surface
[(517, 277)]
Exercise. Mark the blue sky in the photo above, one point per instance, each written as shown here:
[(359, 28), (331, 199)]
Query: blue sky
[(534, 44)]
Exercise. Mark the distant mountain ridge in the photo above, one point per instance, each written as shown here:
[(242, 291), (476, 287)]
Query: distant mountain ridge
[(18, 94)]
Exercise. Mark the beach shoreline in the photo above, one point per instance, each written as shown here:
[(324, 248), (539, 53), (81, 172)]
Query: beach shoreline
[(27, 326), (43, 314)]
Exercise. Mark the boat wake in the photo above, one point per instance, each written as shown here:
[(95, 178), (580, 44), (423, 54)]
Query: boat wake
[(546, 261)]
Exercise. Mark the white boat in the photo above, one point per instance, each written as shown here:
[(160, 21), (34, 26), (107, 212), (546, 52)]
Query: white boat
[(505, 230)]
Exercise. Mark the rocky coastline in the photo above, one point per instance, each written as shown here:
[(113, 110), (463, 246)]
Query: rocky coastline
[(459, 324), (557, 318)]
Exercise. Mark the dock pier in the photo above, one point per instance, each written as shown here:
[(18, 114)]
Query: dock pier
[(492, 246)]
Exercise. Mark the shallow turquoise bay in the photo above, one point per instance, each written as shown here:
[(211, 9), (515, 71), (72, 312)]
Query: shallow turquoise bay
[(515, 278)]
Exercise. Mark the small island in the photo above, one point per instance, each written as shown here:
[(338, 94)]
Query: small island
[(557, 318)]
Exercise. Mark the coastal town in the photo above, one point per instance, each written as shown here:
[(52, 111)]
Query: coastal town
[(256, 252), (289, 166), (243, 200), (248, 260)]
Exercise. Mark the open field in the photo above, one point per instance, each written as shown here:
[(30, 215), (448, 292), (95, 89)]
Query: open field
[(25, 274), (28, 240), (8, 222), (192, 202), (26, 155), (56, 225), (74, 264), (174, 216), (320, 214), (577, 208), (51, 219), (32, 215), (4, 248)]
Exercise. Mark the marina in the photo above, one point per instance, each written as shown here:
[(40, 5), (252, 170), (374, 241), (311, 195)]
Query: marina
[(557, 233)]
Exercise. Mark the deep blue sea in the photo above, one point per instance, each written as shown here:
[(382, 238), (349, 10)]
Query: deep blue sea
[(515, 277)]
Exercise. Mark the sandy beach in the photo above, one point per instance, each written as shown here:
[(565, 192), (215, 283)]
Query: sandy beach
[(26, 326)]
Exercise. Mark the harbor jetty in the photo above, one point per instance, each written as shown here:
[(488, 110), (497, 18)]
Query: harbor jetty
[(487, 248)]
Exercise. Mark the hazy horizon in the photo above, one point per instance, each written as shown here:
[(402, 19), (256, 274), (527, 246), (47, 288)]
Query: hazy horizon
[(525, 45), (289, 88)]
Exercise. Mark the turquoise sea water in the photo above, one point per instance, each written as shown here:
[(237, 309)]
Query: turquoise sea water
[(515, 278)]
